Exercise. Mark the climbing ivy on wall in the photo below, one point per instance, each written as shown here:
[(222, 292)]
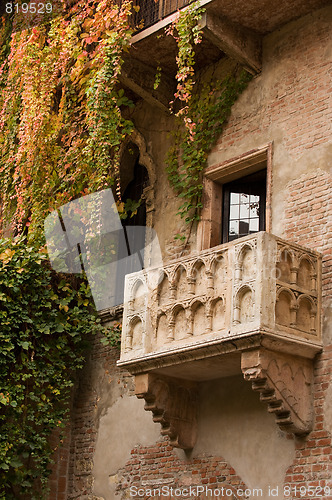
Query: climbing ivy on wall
[(61, 127), (45, 320), (61, 120), (204, 110), (207, 112)]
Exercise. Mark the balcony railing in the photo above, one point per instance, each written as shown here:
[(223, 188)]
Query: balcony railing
[(259, 284), (152, 11)]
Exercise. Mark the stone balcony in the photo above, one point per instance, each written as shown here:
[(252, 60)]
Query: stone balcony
[(250, 306)]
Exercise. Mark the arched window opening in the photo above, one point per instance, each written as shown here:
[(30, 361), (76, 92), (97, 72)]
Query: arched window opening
[(135, 178)]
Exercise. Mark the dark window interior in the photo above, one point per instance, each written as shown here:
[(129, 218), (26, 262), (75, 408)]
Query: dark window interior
[(133, 242), (134, 191), (244, 203)]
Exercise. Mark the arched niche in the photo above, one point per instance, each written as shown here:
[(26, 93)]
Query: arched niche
[(180, 323), (244, 305), (284, 266), (198, 318), (218, 314), (247, 262), (305, 317), (164, 294), (219, 273), (131, 149), (136, 333), (304, 275), (162, 330), (139, 295), (181, 282), (283, 307), (200, 277)]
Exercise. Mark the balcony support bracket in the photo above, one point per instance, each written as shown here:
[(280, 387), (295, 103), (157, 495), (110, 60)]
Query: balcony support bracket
[(140, 78), (236, 41), (285, 385), (173, 403)]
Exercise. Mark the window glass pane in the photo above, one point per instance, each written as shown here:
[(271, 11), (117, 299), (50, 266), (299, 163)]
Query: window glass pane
[(234, 212), (244, 206), (234, 228), (254, 225), (235, 198), (244, 198), (244, 211)]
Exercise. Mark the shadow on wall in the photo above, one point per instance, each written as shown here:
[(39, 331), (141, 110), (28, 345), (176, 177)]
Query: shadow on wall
[(233, 423), (125, 425)]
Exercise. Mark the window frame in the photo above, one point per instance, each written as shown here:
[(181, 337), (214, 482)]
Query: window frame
[(209, 232), (226, 217)]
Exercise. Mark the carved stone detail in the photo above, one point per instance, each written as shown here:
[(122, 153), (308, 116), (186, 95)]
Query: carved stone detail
[(221, 295), (297, 294), (173, 403), (284, 383)]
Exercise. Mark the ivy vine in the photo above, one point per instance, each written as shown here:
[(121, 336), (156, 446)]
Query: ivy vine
[(61, 120), (45, 320), (200, 120), (61, 126), (207, 113)]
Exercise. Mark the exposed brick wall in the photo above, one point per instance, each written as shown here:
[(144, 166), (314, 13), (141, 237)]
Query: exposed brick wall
[(151, 468), (299, 104), (85, 417), (298, 101), (58, 481), (308, 218), (312, 466), (308, 221)]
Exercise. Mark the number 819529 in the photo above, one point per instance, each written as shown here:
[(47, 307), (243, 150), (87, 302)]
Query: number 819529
[(32, 8), (310, 491)]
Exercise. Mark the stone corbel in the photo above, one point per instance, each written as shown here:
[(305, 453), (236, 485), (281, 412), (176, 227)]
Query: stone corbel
[(242, 44), (173, 403), (140, 78), (285, 385)]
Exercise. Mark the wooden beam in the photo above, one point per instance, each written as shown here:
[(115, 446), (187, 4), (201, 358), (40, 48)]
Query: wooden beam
[(238, 42), (140, 78)]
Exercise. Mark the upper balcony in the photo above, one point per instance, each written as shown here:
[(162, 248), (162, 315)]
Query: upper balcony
[(149, 12), (230, 31), (251, 306)]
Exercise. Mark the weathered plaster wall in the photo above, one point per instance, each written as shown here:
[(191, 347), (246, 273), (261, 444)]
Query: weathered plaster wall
[(232, 425), (124, 426)]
